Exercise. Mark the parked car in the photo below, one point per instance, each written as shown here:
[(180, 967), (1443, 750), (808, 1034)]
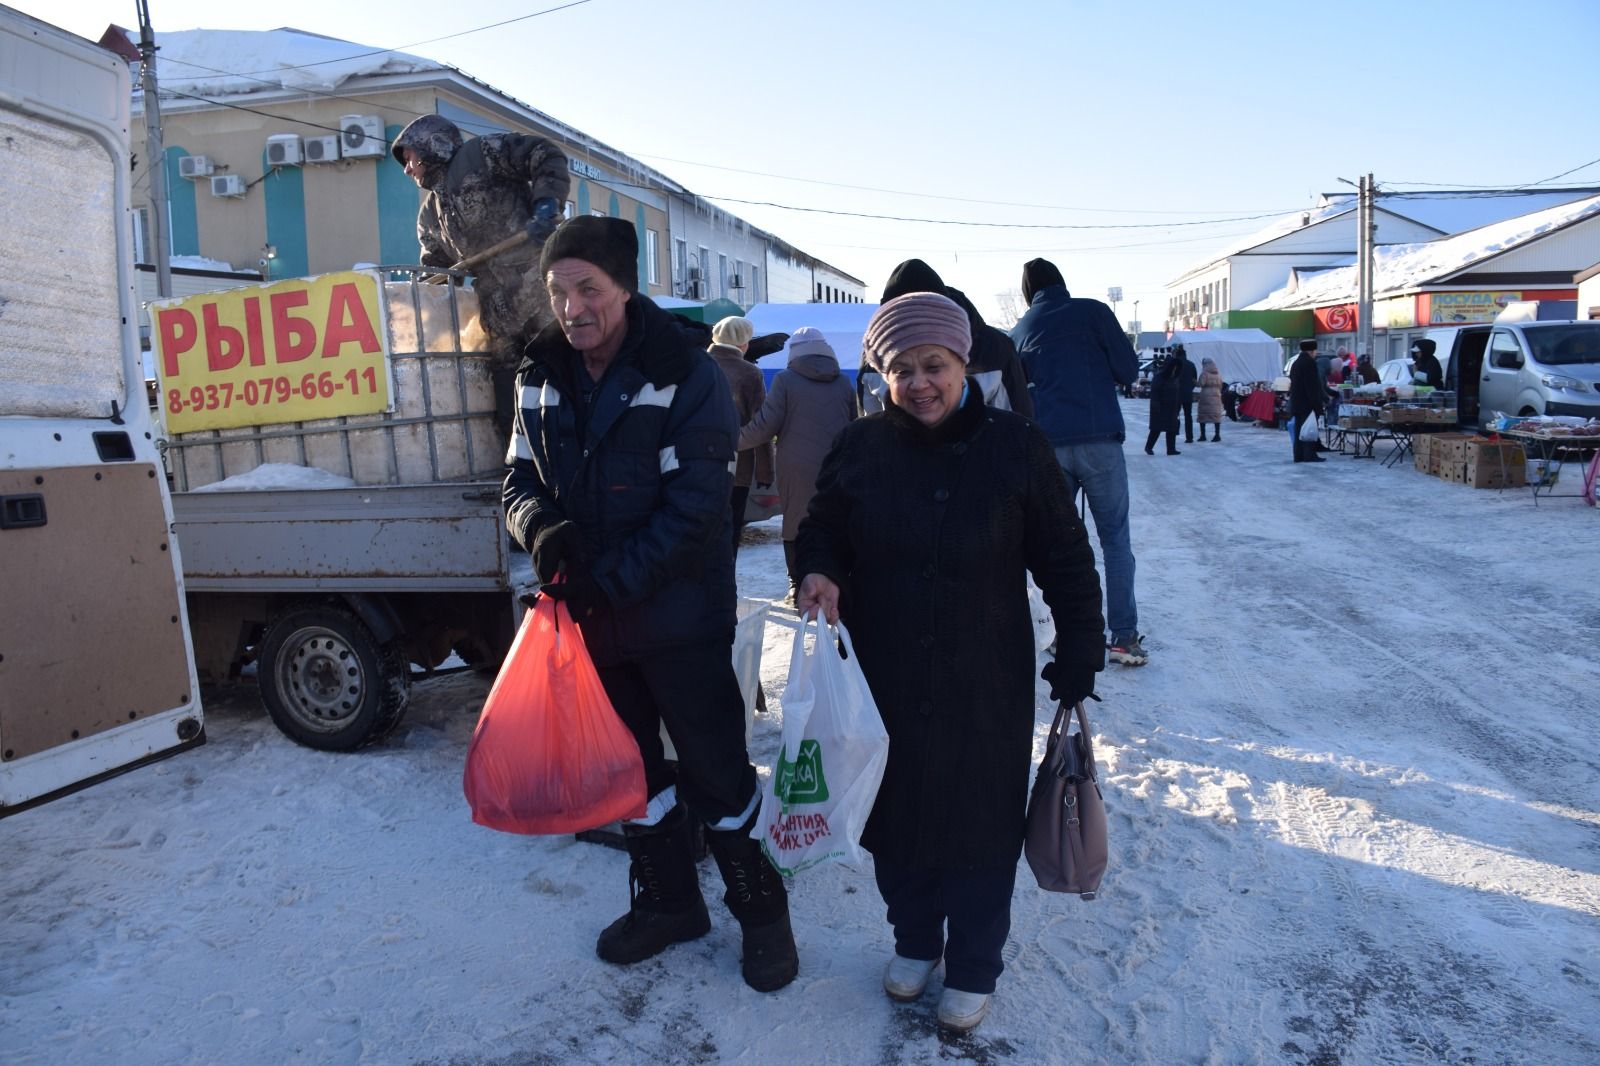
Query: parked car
[(1542, 368)]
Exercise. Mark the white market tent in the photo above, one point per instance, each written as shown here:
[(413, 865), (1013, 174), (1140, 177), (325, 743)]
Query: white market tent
[(843, 324), (1240, 354)]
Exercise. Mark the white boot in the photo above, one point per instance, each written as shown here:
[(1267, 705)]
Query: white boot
[(960, 1012), (905, 978)]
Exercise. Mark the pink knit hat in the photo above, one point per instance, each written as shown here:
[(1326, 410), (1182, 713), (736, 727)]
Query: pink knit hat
[(914, 319)]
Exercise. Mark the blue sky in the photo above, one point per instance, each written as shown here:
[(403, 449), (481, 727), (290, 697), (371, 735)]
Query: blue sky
[(1132, 115)]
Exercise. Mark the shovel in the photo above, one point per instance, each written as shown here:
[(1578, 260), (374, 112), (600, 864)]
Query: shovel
[(516, 240)]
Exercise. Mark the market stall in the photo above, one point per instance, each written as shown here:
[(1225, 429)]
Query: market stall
[(1552, 443)]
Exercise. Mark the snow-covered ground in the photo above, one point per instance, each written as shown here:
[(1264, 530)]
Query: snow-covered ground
[(1355, 802)]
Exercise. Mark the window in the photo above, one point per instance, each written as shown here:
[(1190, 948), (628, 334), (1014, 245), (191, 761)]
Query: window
[(652, 272), (569, 209), (755, 285), (722, 275), (680, 260), (142, 252), (698, 274)]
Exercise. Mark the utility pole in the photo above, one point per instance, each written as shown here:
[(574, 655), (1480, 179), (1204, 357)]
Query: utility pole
[(155, 154), (1366, 231)]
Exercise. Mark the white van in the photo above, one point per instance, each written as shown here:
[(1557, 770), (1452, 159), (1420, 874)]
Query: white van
[(96, 668)]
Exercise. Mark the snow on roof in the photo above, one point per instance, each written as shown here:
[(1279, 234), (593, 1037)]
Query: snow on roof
[(1399, 267), (200, 262), (1459, 210), (202, 61)]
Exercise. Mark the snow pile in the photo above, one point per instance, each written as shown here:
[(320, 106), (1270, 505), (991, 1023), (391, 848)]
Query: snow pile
[(269, 477), (1399, 267), (198, 61)]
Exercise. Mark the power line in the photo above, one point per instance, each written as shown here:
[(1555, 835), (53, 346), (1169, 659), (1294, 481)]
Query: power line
[(988, 225), (1503, 188)]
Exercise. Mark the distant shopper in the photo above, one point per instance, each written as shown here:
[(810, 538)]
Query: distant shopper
[(1331, 386), (1210, 388), (995, 368), (478, 193), (1307, 399), (730, 340), (1365, 370), (809, 404), (1425, 368), (1186, 375), (1076, 355), (1164, 406)]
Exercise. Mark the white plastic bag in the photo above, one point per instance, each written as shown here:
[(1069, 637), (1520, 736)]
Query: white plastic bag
[(825, 777), (1308, 428)]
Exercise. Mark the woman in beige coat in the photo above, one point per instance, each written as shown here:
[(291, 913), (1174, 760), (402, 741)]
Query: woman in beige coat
[(1209, 408)]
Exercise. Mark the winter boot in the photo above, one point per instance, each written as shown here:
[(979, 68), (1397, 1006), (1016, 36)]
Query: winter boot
[(1216, 437), (759, 902), (664, 901), (1202, 433), (794, 579)]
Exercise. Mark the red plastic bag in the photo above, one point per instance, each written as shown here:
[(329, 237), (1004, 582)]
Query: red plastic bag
[(549, 754)]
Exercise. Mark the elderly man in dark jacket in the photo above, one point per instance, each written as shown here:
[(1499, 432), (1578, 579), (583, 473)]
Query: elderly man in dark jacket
[(1307, 399), (1076, 355), (478, 194), (619, 485), (995, 368)]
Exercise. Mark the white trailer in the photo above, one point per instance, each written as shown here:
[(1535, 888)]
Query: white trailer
[(97, 675)]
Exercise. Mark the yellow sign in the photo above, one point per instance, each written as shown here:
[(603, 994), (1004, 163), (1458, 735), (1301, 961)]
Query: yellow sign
[(290, 351), (1452, 307), (1397, 313)]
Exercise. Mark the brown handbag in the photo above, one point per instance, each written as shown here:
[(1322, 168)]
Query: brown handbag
[(1066, 835)]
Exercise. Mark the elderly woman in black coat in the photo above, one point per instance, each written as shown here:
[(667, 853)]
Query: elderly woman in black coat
[(927, 518)]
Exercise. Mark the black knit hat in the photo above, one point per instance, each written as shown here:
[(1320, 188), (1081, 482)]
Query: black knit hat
[(1308, 346), (1039, 274), (912, 276), (611, 244)]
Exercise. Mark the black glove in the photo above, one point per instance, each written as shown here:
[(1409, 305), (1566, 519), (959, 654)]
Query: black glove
[(554, 546), (579, 593), (544, 221), (1069, 684)]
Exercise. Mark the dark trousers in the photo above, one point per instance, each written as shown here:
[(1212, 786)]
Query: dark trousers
[(1230, 404), (973, 905), (741, 493), (1188, 421), (789, 564), (1172, 440), (694, 692)]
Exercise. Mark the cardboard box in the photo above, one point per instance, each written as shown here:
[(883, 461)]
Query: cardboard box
[(1435, 464), (1484, 452), (1493, 475), (1421, 447), (1450, 447), (1453, 472)]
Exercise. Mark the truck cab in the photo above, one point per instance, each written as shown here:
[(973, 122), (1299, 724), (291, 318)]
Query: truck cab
[(97, 671)]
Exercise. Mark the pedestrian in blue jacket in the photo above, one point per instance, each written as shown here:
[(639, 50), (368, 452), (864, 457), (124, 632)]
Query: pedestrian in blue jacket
[(1076, 356)]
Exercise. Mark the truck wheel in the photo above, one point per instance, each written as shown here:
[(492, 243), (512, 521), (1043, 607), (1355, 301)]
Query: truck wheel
[(327, 683)]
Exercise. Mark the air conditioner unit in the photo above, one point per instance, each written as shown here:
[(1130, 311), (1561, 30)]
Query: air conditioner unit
[(194, 166), (362, 136), (283, 150), (227, 185), (323, 149)]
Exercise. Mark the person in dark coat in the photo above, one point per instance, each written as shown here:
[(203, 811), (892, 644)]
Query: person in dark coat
[(1307, 399), (927, 519), (1076, 355), (1365, 370), (995, 366), (809, 404), (1164, 404), (730, 340), (621, 471), (477, 194), (1425, 366), (1186, 374)]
